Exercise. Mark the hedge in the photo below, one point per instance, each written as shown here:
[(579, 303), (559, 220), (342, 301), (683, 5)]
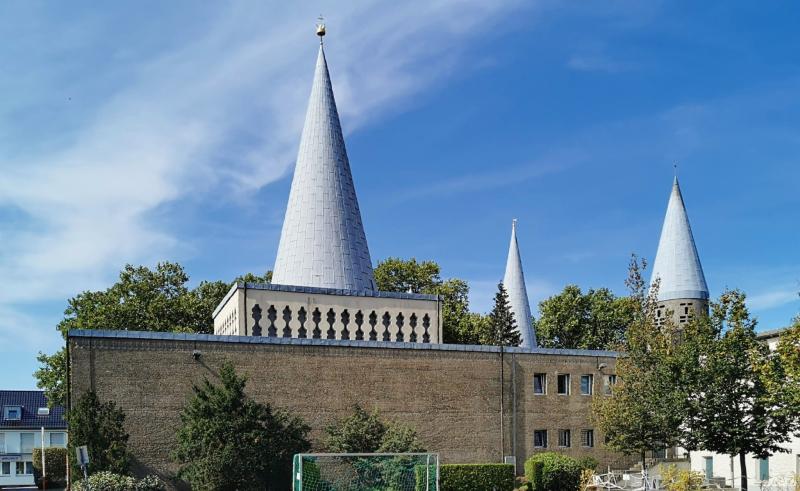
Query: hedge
[(474, 477), (108, 481), (56, 466), (558, 472)]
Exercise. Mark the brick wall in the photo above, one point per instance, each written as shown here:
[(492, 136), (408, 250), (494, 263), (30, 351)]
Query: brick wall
[(450, 394)]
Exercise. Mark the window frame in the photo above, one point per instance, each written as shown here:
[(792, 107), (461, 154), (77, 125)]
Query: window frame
[(543, 385), (6, 465), (63, 437), (610, 382), (564, 438), (587, 437), (568, 379), (591, 384), (33, 442), (7, 410), (542, 433)]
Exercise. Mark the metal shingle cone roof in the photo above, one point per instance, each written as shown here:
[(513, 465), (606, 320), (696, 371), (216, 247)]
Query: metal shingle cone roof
[(514, 283), (322, 241), (677, 263)]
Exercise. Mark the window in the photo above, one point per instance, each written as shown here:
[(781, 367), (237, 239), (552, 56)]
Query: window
[(563, 438), (2, 443), (587, 438), (611, 380), (25, 468), (540, 438), (563, 384), (26, 442), (587, 381), (5, 468), (763, 469), (540, 383), (12, 413), (58, 439)]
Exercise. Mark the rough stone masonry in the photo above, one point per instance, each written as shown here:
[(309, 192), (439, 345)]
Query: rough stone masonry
[(468, 403)]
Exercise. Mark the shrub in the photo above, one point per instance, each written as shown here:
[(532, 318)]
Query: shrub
[(108, 481), (55, 465), (475, 477), (535, 476), (589, 463), (674, 479), (559, 472)]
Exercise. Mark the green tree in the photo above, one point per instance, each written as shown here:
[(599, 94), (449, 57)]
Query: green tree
[(788, 351), (647, 408), (596, 319), (227, 441), (737, 405), (364, 432), (142, 299), (502, 325), (409, 275), (99, 426)]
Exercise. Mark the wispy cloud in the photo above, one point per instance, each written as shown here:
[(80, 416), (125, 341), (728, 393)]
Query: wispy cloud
[(597, 63), (770, 299), (218, 114)]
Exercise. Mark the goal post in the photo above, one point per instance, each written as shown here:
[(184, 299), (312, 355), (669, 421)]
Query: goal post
[(366, 472)]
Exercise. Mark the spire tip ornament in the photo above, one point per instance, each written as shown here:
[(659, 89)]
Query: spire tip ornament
[(320, 28)]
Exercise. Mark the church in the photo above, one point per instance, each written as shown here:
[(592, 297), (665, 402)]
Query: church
[(321, 337)]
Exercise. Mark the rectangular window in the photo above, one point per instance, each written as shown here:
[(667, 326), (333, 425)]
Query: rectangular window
[(12, 413), (611, 380), (2, 443), (587, 382), (58, 439), (540, 438), (24, 468), (563, 384), (540, 383), (26, 442), (587, 438), (5, 468), (564, 438), (763, 469)]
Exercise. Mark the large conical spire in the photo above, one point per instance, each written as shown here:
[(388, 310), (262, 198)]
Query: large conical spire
[(323, 242), (677, 263), (514, 283)]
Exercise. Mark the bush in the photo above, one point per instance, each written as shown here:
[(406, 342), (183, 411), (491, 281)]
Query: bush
[(475, 477), (535, 476), (674, 479), (589, 463), (559, 472), (55, 463), (108, 481)]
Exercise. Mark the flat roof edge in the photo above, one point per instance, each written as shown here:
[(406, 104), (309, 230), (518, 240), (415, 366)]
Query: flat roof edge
[(178, 336)]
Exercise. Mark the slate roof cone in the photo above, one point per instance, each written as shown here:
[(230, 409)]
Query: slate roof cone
[(514, 283), (677, 263), (322, 241)]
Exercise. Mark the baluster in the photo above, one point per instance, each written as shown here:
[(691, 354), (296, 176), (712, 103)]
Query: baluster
[(373, 321), (412, 321), (331, 319), (345, 320), (387, 321), (301, 317), (426, 323), (287, 317), (359, 321), (272, 315), (316, 318), (257, 318), (399, 336)]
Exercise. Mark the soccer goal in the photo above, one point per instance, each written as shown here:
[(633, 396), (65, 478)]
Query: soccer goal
[(366, 472)]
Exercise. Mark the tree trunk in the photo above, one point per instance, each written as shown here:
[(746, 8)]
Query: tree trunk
[(743, 468)]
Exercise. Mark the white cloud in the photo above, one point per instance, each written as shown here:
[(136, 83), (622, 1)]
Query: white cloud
[(218, 115), (769, 299)]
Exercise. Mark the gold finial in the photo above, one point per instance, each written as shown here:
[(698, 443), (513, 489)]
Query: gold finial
[(320, 28)]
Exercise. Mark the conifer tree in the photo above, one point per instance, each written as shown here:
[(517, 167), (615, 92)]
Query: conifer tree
[(503, 326), (99, 426), (229, 442)]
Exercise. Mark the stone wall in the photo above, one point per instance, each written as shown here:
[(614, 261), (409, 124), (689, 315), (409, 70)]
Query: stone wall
[(451, 394)]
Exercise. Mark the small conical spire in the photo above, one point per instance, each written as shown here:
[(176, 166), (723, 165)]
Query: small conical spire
[(514, 283), (677, 263), (322, 241)]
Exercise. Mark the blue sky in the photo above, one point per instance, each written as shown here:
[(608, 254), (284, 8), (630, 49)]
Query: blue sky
[(144, 131)]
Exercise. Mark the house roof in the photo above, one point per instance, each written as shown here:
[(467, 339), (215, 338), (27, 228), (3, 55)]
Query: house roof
[(514, 283), (30, 401), (322, 240)]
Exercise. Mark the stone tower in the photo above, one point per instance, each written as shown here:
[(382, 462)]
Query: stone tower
[(514, 283), (322, 241), (682, 288)]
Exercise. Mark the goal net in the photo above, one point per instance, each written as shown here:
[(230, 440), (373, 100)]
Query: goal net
[(366, 472)]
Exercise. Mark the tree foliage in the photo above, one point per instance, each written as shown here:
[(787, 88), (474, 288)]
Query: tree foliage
[(503, 329), (227, 441), (646, 410), (364, 432), (409, 275), (597, 319), (99, 426), (142, 299)]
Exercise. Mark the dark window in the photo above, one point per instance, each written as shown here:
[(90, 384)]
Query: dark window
[(563, 438), (587, 438), (586, 384), (5, 468), (610, 381), (563, 384), (540, 438), (12, 413), (540, 383)]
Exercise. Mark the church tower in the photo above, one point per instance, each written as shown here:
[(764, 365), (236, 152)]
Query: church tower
[(682, 288), (322, 241), (514, 283)]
